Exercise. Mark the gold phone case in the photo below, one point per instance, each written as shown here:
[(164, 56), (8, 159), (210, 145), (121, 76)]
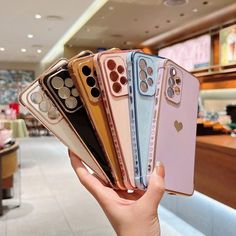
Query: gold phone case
[(84, 75)]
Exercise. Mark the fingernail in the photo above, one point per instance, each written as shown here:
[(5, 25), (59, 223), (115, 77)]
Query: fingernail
[(159, 169)]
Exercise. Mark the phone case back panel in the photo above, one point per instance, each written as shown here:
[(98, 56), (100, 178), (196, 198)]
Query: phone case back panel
[(144, 82), (86, 81), (114, 76), (61, 89), (43, 109), (176, 137)]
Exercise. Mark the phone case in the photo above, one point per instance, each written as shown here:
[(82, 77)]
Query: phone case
[(142, 76), (84, 75), (41, 107), (176, 128), (112, 78), (61, 89)]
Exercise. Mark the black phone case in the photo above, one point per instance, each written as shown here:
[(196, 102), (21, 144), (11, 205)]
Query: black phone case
[(78, 118)]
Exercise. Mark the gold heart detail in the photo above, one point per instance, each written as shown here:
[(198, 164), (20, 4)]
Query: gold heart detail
[(178, 125)]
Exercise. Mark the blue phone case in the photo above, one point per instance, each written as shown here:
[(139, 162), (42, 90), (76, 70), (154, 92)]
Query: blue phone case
[(141, 102)]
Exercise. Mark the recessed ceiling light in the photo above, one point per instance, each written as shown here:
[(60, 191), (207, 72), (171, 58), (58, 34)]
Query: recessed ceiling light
[(39, 51), (173, 3), (2, 49), (37, 16), (195, 10), (111, 8), (23, 50), (30, 36)]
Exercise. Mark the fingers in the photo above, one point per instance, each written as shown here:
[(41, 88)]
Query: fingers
[(155, 189), (91, 183)]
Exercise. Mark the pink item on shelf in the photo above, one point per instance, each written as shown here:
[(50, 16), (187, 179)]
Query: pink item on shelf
[(5, 136)]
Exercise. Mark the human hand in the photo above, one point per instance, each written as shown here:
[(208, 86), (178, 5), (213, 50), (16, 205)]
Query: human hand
[(129, 213)]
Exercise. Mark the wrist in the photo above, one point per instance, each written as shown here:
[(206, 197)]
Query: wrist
[(140, 229)]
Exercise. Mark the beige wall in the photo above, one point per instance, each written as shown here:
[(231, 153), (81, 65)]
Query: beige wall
[(72, 51)]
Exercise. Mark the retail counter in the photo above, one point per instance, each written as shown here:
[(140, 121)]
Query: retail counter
[(215, 171)]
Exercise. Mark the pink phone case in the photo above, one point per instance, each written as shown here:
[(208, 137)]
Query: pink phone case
[(56, 123), (111, 70), (176, 127)]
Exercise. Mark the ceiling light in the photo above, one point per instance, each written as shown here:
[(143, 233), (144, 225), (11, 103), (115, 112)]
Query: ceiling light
[(2, 49), (23, 50), (173, 3), (111, 8), (195, 10), (39, 51), (37, 16), (30, 36)]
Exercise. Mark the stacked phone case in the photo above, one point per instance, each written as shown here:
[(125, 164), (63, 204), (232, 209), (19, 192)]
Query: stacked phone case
[(121, 111)]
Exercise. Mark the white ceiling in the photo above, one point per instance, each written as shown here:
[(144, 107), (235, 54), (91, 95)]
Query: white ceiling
[(128, 23), (17, 21), (118, 23)]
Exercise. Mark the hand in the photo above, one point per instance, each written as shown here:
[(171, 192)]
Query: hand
[(129, 213)]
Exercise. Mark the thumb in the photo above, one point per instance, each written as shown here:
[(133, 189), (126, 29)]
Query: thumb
[(156, 187)]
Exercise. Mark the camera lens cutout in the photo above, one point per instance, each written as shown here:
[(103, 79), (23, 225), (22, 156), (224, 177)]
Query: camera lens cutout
[(150, 81), (177, 80), (171, 82), (143, 86), (120, 69), (57, 82), (53, 113), (170, 92), (36, 97), (150, 71), (86, 70), (111, 64), (69, 82), (142, 64), (123, 80), (44, 106), (173, 71), (71, 102), (114, 76), (143, 75), (95, 92), (90, 81), (75, 92), (116, 87), (64, 92), (177, 90)]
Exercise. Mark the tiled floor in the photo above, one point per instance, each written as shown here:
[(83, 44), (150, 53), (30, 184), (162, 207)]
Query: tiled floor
[(53, 200)]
